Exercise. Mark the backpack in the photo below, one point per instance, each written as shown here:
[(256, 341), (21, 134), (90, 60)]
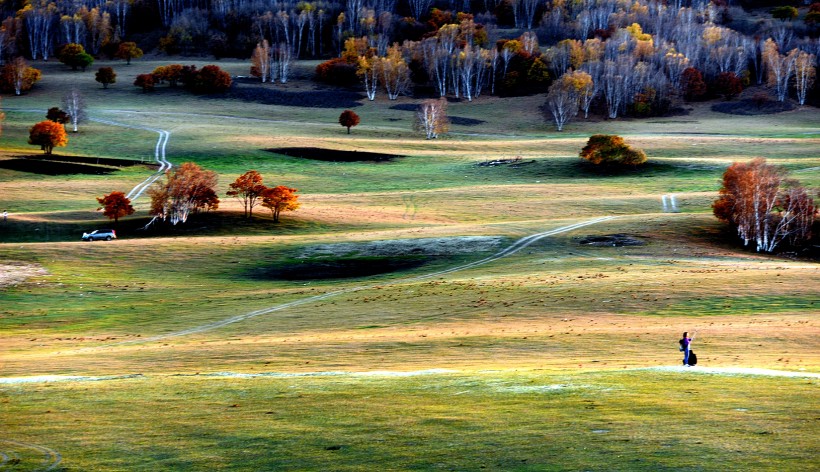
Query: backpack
[(680, 345)]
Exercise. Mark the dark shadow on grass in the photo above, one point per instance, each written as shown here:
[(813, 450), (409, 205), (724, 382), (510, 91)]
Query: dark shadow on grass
[(269, 95), (52, 167), (334, 155), (341, 268), (748, 107)]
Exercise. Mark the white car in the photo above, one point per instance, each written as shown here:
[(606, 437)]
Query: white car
[(96, 235)]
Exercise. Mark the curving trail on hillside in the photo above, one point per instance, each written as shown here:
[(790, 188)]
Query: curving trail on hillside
[(13, 453), (159, 156), (508, 251)]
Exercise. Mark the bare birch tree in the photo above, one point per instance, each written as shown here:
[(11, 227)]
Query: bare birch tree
[(804, 74), (74, 105), (431, 118)]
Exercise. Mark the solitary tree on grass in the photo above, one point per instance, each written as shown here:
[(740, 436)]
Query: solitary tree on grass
[(431, 118), (279, 199), (57, 115), (348, 119), (48, 135), (74, 55), (611, 150), (105, 76), (128, 50), (248, 188), (115, 205)]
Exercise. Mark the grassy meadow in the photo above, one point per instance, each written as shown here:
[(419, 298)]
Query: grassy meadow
[(377, 327)]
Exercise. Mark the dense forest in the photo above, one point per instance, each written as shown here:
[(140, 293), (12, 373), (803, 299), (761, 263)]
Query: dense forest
[(624, 56)]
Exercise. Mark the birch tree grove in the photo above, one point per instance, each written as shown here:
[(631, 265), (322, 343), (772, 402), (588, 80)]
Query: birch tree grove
[(395, 74), (39, 18), (780, 68), (765, 214), (804, 74), (431, 118), (186, 190)]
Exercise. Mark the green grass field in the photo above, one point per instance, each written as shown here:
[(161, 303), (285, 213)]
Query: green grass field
[(216, 346)]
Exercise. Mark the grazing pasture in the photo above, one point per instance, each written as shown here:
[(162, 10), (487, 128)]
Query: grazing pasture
[(442, 309)]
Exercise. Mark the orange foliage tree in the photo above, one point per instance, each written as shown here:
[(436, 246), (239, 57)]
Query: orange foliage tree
[(764, 206), (611, 150), (48, 135), (187, 190), (128, 50), (247, 188), (115, 205), (279, 199), (16, 76), (349, 119)]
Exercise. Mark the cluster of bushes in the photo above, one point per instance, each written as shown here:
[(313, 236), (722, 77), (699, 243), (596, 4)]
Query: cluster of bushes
[(209, 79)]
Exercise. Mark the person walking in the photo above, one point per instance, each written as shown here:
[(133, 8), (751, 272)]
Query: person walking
[(685, 346)]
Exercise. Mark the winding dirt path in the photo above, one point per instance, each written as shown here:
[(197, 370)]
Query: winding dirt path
[(159, 155), (508, 251), (10, 451)]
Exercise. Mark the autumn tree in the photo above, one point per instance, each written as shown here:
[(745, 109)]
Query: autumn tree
[(128, 50), (16, 76), (804, 74), (115, 205), (278, 199), (247, 188), (780, 68), (611, 150), (172, 73), (395, 74), (764, 206), (74, 105), (186, 190), (261, 61), (106, 76), (728, 84), (693, 85), (565, 94), (74, 56), (48, 135), (348, 119), (431, 118), (211, 79), (145, 81)]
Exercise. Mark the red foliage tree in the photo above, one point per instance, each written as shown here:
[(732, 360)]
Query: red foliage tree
[(764, 206), (247, 188), (279, 199), (187, 190), (349, 119), (728, 84), (212, 79), (146, 81), (694, 88), (48, 135), (115, 205)]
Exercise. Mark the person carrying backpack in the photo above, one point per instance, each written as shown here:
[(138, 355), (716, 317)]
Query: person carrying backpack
[(685, 344)]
